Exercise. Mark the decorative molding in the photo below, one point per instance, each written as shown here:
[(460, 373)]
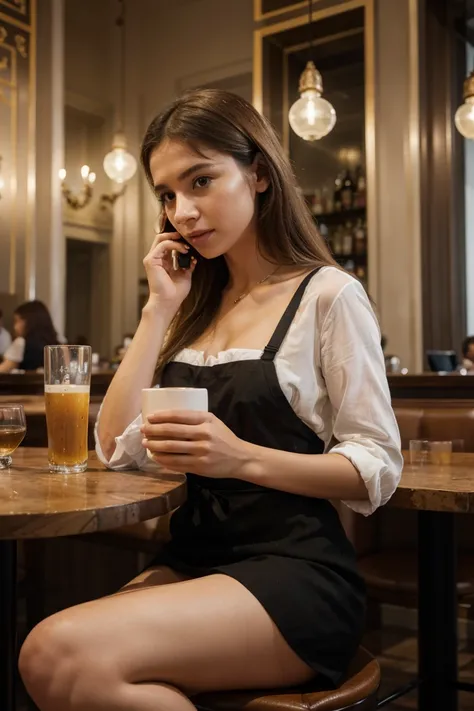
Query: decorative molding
[(17, 117), (259, 14), (16, 5)]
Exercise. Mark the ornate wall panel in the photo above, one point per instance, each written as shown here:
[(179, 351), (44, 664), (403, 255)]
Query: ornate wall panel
[(17, 127)]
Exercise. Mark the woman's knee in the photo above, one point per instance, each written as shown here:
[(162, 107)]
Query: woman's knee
[(54, 662)]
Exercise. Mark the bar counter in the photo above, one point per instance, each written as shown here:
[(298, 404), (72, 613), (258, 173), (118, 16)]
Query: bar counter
[(425, 386)]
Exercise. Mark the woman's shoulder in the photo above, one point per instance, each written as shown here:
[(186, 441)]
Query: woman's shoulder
[(330, 285)]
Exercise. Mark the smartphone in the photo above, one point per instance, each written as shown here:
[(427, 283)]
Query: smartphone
[(180, 261)]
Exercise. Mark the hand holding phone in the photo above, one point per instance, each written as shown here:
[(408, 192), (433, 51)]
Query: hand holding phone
[(166, 280), (180, 260)]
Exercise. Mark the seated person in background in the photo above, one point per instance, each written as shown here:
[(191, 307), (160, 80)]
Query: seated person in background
[(468, 353), (33, 328), (5, 338)]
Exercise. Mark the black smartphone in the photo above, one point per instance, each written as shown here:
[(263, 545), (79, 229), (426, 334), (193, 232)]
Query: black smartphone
[(180, 261)]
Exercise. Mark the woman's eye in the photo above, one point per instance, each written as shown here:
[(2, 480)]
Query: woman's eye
[(202, 182), (166, 197)]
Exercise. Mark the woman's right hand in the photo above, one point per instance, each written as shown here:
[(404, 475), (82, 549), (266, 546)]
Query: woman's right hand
[(170, 286)]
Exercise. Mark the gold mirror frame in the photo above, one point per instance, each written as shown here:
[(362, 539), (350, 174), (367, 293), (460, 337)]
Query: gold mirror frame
[(259, 15), (369, 61)]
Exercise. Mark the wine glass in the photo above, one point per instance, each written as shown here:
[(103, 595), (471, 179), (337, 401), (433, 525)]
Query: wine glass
[(12, 431)]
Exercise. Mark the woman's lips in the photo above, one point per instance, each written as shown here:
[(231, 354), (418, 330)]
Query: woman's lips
[(201, 238)]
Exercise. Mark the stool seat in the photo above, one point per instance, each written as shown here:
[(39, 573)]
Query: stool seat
[(358, 691)]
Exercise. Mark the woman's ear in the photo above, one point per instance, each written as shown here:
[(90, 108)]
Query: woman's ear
[(260, 174)]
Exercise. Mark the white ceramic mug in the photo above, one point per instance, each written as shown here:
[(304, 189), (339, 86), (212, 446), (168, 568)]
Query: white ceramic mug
[(156, 399)]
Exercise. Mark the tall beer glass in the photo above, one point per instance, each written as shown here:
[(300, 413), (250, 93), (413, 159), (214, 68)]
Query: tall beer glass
[(67, 378)]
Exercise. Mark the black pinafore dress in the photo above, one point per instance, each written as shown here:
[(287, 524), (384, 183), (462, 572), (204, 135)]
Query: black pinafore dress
[(289, 551)]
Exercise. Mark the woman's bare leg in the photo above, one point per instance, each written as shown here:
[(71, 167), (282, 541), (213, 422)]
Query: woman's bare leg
[(151, 648), (152, 577)]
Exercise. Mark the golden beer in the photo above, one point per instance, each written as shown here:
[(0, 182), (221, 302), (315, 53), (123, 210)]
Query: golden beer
[(67, 418), (10, 438)]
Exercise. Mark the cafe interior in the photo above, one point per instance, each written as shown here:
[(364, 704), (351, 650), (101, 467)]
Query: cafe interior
[(388, 175)]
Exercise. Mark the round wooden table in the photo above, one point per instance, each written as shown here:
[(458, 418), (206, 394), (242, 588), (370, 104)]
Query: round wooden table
[(35, 503), (437, 493)]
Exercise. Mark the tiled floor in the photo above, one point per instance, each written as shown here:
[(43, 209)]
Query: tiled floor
[(396, 650)]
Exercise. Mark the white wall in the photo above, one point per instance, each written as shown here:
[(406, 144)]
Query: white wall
[(469, 188)]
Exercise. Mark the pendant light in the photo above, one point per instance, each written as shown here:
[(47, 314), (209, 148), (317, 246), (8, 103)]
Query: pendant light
[(464, 116), (119, 164), (311, 117)]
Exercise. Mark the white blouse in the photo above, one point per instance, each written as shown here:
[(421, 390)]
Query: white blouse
[(331, 369), (15, 350)]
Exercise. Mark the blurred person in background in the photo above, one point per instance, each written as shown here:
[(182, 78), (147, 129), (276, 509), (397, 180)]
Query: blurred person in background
[(468, 353), (5, 338), (33, 330)]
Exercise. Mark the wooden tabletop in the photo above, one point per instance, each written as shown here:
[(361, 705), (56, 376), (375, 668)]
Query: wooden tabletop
[(35, 503), (437, 488)]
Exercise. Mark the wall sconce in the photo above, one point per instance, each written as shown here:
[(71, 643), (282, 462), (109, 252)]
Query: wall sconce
[(83, 198), (2, 182), (108, 199)]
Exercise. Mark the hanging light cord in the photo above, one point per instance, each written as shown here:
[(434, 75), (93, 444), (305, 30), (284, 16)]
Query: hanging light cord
[(310, 30), (120, 22)]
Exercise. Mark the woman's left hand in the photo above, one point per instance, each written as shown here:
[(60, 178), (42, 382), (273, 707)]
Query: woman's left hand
[(196, 442)]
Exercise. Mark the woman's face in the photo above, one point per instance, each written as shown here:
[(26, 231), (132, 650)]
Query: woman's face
[(211, 200), (19, 326)]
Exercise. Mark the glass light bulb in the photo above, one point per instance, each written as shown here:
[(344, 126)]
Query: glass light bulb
[(120, 165), (91, 178), (312, 117), (85, 171), (62, 174), (464, 118)]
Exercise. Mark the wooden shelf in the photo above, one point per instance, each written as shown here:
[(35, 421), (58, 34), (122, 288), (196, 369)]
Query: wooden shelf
[(334, 218), (357, 258)]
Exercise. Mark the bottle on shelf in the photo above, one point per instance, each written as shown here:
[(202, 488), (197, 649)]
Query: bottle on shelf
[(337, 194), (347, 191), (347, 240), (360, 239), (360, 196), (327, 200), (337, 241), (349, 266), (317, 205)]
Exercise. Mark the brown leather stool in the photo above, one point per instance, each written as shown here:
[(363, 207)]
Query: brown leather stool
[(357, 692)]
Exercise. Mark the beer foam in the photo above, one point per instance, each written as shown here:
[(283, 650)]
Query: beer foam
[(67, 389)]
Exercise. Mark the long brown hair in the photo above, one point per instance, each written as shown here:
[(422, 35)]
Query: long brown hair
[(39, 326), (287, 234)]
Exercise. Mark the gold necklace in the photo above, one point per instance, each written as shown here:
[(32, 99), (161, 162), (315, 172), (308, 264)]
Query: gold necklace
[(262, 281)]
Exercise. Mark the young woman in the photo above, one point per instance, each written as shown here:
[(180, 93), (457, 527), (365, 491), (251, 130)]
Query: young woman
[(258, 586), (33, 329)]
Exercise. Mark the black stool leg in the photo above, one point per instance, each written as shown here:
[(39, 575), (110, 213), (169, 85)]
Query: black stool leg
[(7, 625), (437, 619)]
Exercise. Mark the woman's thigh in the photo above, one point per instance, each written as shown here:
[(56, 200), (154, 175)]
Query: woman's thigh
[(198, 635), (153, 576)]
